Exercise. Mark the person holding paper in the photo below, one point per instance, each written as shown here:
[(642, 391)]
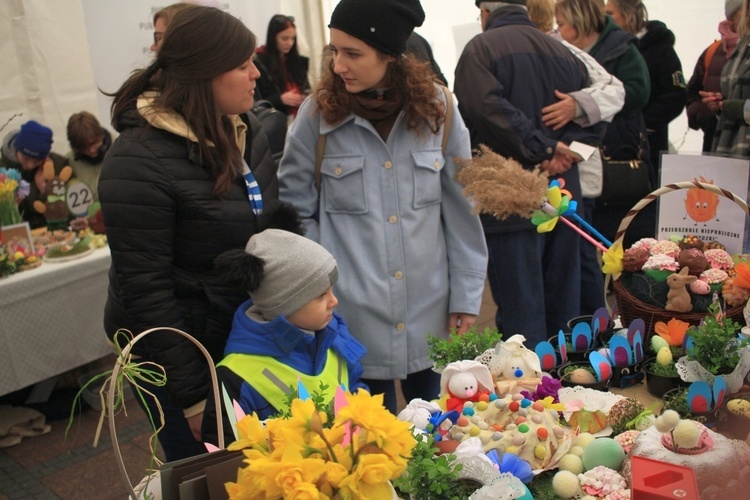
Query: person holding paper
[(584, 24), (599, 102), (534, 278)]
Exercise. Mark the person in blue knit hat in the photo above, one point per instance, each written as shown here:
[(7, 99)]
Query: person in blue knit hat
[(26, 150)]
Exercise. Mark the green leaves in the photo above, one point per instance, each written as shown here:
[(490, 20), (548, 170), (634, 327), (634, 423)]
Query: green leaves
[(460, 347), (716, 344), (431, 476)]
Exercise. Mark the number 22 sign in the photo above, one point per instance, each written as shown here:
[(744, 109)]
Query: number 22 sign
[(78, 197)]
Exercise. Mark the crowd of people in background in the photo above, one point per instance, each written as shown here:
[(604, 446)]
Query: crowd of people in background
[(364, 201)]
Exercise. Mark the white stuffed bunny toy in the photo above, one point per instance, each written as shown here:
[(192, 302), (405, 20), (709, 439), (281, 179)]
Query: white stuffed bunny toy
[(464, 381), (518, 367)]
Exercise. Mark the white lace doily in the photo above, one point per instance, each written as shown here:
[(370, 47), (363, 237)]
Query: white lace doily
[(592, 400), (504, 486), (691, 370), (491, 360)]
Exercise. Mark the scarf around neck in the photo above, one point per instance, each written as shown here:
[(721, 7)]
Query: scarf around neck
[(379, 108)]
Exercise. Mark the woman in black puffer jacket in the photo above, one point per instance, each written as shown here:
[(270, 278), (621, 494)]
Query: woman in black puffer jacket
[(177, 190)]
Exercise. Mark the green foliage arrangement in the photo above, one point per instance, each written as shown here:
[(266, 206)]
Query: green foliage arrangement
[(717, 346), (316, 396), (669, 370), (431, 476), (460, 347), (677, 400)]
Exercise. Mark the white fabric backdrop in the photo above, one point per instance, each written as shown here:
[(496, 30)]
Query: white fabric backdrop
[(55, 54)]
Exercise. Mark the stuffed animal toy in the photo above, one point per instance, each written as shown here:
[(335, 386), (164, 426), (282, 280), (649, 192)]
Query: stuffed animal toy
[(678, 298), (463, 381), (55, 209), (519, 368)]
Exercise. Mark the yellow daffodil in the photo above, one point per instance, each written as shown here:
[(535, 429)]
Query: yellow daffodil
[(251, 434), (612, 259), (304, 456)]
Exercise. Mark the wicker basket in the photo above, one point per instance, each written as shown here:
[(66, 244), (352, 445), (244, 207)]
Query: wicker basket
[(631, 307)]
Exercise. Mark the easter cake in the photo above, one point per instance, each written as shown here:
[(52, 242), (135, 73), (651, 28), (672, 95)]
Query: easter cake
[(516, 425)]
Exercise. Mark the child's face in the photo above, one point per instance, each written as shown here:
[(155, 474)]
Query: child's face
[(316, 314)]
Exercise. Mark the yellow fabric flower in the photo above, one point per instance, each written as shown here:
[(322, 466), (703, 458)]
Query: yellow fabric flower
[(612, 259), (549, 404)]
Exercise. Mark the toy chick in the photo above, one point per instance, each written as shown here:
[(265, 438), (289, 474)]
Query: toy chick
[(518, 367)]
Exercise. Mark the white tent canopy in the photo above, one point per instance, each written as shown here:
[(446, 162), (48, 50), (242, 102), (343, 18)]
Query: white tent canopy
[(56, 55)]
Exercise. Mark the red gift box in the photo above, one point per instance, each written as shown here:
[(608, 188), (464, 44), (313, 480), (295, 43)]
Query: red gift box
[(656, 480)]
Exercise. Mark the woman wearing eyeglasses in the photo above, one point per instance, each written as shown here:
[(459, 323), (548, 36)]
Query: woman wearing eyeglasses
[(283, 79)]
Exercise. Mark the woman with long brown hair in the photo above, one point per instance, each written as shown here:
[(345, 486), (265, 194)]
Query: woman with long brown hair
[(185, 181), (283, 79), (411, 254)]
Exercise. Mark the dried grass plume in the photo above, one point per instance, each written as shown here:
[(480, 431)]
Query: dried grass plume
[(500, 186)]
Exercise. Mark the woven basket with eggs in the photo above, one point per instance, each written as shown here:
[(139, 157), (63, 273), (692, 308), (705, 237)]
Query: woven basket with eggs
[(649, 304)]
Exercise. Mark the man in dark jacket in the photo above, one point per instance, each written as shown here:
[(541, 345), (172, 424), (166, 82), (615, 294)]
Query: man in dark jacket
[(505, 76)]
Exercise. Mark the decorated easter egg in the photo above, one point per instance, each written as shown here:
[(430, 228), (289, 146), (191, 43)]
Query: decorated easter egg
[(657, 343), (581, 376), (739, 407), (664, 356), (603, 451), (700, 287)]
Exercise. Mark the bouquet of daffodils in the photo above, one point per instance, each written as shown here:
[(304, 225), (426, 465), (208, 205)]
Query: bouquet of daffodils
[(305, 455), (12, 190)]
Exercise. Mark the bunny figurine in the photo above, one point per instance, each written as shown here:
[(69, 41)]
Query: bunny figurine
[(463, 381), (519, 367), (55, 209), (678, 298)]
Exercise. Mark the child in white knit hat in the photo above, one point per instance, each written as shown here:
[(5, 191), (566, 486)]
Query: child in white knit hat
[(287, 332)]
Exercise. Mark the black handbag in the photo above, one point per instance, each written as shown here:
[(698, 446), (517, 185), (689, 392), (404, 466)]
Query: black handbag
[(626, 177)]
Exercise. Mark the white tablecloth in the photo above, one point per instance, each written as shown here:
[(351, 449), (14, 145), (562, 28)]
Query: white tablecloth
[(51, 319)]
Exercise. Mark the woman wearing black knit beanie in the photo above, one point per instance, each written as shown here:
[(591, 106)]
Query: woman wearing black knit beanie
[(370, 165)]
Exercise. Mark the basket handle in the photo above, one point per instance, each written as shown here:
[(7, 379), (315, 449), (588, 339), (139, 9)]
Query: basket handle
[(124, 355), (668, 189)]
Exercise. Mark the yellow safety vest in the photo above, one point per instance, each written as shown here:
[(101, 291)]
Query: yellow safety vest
[(274, 380)]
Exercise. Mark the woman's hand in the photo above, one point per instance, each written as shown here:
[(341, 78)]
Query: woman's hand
[(558, 115), (292, 99), (462, 322), (713, 100)]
